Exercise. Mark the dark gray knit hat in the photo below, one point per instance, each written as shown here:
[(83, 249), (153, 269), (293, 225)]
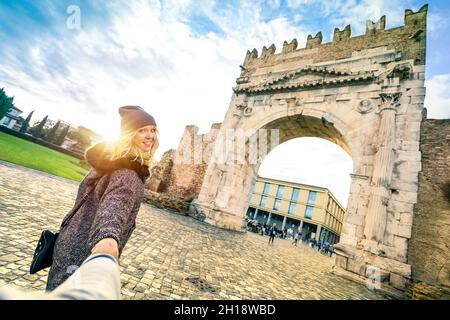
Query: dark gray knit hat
[(134, 117)]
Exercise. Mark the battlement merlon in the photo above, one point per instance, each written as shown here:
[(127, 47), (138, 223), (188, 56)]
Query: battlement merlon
[(409, 40)]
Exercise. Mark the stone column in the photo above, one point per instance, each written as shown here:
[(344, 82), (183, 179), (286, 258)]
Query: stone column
[(376, 218), (284, 223), (268, 218), (301, 227), (319, 228), (325, 235), (255, 214)]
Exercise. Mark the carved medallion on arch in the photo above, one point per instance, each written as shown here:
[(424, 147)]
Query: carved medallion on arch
[(365, 106)]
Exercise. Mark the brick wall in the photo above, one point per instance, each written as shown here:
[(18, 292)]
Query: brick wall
[(180, 172), (160, 173), (191, 161), (429, 250)]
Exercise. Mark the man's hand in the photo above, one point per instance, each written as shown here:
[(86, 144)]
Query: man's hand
[(108, 246)]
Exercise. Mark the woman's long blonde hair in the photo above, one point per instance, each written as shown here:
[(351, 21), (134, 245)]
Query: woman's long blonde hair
[(124, 147)]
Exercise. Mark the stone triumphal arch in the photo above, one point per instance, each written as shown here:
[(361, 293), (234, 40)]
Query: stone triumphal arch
[(364, 93)]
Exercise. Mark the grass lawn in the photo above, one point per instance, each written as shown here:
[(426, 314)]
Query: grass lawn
[(31, 155)]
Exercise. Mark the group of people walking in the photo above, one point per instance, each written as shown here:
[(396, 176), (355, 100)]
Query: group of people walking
[(272, 231), (324, 248)]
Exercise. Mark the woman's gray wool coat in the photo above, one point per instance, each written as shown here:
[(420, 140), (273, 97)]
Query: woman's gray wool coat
[(109, 212)]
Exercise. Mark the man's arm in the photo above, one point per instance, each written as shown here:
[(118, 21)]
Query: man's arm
[(98, 278)]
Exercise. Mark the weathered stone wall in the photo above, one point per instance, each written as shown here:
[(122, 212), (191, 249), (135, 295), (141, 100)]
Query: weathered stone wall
[(167, 201), (160, 173), (429, 253), (180, 172), (190, 162)]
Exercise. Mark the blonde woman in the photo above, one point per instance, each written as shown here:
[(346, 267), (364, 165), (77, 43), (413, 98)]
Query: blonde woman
[(115, 189)]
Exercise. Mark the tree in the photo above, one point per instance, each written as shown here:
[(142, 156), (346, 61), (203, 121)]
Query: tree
[(49, 124), (26, 123), (62, 136), (52, 133), (6, 103), (38, 129), (83, 139)]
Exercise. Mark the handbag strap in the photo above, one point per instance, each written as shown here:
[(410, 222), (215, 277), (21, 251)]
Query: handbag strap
[(78, 206)]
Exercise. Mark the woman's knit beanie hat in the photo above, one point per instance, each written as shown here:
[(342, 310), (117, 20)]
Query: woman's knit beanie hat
[(133, 118)]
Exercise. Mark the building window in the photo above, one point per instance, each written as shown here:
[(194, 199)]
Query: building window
[(309, 212), (295, 193), (312, 197), (276, 205), (263, 201), (266, 188), (7, 121), (251, 212), (292, 207), (280, 191)]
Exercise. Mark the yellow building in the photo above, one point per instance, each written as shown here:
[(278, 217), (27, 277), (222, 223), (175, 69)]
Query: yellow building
[(312, 211)]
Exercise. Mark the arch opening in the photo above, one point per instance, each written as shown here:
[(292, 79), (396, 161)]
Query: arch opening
[(311, 145)]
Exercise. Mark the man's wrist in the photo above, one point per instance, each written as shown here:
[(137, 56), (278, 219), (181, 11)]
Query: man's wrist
[(107, 246), (94, 256)]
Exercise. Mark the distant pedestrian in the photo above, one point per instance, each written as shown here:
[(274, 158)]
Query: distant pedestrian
[(295, 239), (319, 245), (272, 232), (326, 247)]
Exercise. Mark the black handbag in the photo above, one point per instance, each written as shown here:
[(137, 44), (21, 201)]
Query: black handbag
[(43, 255)]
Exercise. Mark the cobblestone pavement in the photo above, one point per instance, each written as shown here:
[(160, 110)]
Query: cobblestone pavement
[(169, 256)]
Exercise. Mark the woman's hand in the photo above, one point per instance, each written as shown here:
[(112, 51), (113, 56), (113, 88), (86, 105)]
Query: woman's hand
[(108, 246)]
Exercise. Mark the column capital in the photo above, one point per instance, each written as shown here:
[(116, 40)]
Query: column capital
[(390, 101)]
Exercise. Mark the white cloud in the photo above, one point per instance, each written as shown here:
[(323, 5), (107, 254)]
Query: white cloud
[(437, 98), (436, 23), (275, 4), (148, 55), (299, 3), (356, 14)]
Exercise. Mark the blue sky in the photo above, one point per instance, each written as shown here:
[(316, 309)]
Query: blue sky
[(180, 59)]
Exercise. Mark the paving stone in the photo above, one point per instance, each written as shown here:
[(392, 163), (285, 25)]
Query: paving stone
[(140, 289), (165, 250), (139, 296), (10, 258)]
